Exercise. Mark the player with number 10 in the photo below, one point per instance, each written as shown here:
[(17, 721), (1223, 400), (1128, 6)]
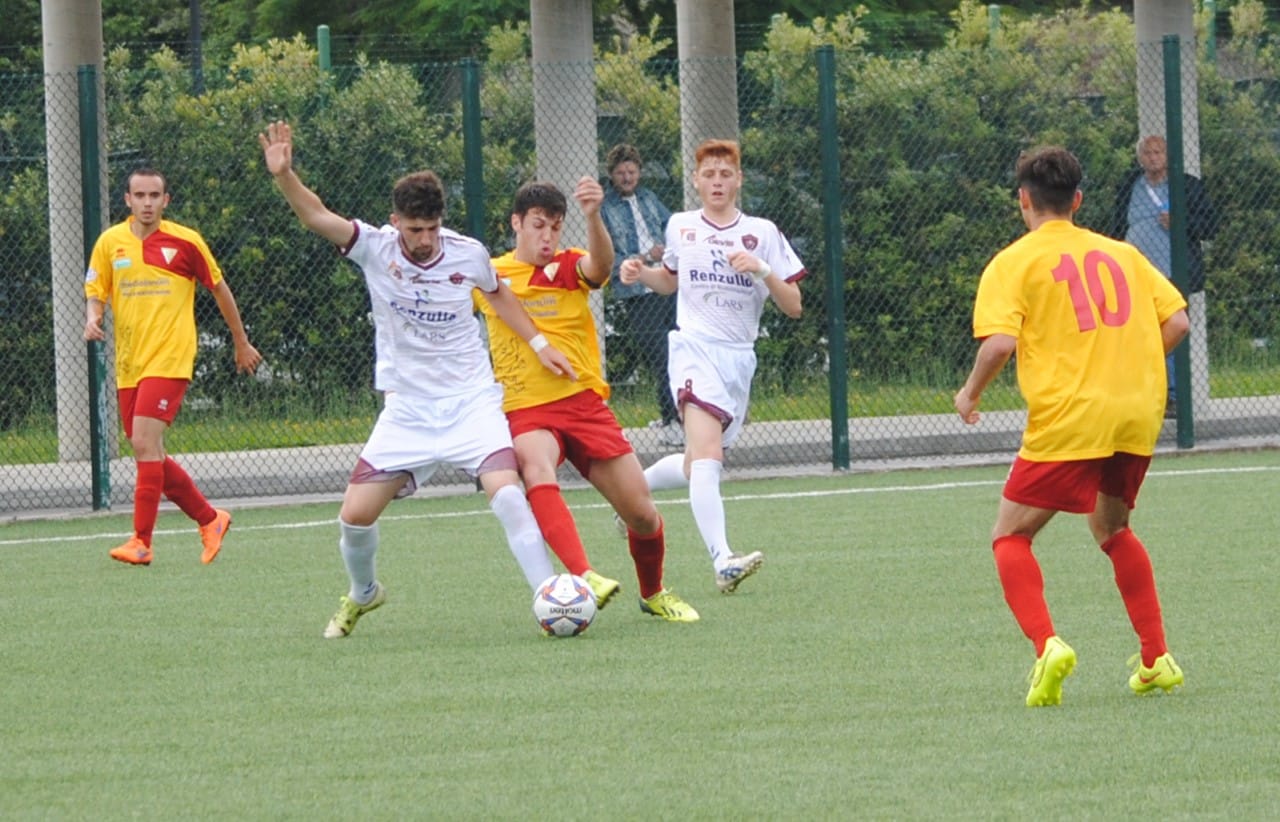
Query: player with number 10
[(1091, 321)]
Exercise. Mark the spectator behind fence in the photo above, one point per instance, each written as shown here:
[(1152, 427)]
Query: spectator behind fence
[(148, 268), (1089, 370), (637, 221), (1141, 217), (442, 404)]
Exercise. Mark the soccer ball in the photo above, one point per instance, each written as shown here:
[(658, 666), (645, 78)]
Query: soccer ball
[(564, 605)]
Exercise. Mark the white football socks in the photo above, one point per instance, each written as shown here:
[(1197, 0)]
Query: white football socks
[(523, 537), (708, 508), (667, 472), (359, 544)]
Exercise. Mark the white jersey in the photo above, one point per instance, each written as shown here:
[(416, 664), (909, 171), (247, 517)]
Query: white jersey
[(714, 301), (427, 338)]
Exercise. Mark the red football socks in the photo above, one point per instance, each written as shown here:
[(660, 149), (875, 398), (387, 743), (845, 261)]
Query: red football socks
[(146, 499), (179, 487), (1023, 588), (558, 527), (648, 552), (1137, 584)]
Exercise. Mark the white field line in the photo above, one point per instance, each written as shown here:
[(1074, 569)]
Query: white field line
[(484, 512)]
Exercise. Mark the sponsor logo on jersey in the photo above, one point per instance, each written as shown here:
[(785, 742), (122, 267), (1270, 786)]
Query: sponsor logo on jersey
[(725, 300)]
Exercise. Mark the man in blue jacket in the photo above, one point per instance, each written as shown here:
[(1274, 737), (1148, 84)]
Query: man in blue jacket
[(637, 222)]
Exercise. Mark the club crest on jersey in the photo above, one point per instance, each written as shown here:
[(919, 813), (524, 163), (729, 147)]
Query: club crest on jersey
[(550, 269), (169, 253), (688, 236), (395, 271), (750, 241), (457, 278)]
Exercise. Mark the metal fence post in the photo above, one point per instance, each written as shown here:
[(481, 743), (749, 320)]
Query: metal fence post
[(1211, 32), (838, 371), (90, 184), (322, 48), (472, 158), (1178, 225)]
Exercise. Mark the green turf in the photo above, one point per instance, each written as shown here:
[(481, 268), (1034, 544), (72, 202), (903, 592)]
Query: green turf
[(871, 670)]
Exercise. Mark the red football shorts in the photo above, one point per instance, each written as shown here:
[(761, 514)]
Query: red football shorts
[(1074, 486), (158, 397), (582, 424)]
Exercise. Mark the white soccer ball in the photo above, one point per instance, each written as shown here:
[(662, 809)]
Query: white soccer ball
[(564, 605)]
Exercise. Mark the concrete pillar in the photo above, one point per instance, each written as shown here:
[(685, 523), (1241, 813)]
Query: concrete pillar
[(1153, 19), (708, 78), (564, 110), (72, 38), (564, 99)]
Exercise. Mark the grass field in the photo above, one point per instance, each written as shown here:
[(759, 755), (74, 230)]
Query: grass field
[(870, 671)]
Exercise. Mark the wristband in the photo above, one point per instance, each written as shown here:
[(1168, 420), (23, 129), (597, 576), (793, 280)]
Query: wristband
[(764, 271), (538, 342)]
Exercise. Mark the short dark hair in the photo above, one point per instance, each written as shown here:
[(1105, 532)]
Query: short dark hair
[(622, 153), (1051, 176), (146, 171), (542, 195), (418, 196)]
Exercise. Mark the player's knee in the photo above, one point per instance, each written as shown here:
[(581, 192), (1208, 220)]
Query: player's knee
[(644, 522)]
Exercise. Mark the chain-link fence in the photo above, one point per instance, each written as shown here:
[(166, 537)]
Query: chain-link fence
[(911, 184)]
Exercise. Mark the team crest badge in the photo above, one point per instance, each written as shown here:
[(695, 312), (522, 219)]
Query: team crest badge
[(457, 278), (550, 269), (750, 241), (688, 236), (395, 271), (169, 253)]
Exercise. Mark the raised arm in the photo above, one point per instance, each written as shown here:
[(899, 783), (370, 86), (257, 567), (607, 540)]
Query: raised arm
[(277, 151), (599, 260)]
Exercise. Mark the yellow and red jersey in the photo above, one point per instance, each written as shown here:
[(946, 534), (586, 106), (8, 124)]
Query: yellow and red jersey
[(1086, 311), (556, 298), (150, 285)]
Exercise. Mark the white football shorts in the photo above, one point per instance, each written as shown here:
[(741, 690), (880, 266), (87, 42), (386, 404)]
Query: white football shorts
[(419, 435), (713, 375)]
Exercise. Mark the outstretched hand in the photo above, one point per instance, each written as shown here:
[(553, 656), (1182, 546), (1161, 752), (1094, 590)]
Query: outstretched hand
[(277, 147)]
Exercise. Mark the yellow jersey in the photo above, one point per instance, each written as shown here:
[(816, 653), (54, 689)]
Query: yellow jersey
[(150, 285), (1086, 311), (556, 298)]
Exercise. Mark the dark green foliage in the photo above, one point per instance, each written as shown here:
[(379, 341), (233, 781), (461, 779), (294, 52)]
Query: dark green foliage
[(926, 141)]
